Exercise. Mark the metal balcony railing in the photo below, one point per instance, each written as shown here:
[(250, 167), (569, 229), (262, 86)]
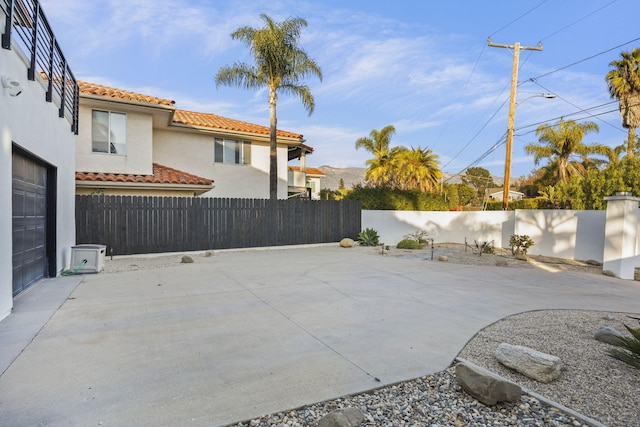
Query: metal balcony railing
[(26, 28)]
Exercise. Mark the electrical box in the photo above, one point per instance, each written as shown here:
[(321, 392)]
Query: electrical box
[(91, 255)]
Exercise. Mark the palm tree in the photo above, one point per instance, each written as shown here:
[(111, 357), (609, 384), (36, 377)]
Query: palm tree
[(280, 65), (562, 145), (417, 169), (624, 85), (380, 167)]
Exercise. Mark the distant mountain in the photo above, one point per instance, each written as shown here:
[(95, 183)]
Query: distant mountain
[(350, 177), (354, 176)]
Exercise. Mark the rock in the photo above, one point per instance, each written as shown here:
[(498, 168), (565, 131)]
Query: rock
[(187, 260), (486, 386), (345, 417), (502, 263), (532, 363), (443, 258), (608, 273), (522, 257), (208, 254), (608, 317), (593, 262), (347, 243), (607, 335)]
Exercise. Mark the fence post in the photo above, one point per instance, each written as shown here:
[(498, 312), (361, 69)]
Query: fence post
[(621, 235)]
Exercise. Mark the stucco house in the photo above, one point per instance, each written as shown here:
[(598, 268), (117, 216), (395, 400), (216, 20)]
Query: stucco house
[(308, 180), (498, 194), (38, 121), (129, 143)]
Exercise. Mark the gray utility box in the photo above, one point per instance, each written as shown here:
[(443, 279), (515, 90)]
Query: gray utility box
[(92, 254)]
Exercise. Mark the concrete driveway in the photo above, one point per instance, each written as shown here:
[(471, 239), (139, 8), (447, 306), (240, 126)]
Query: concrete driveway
[(247, 333)]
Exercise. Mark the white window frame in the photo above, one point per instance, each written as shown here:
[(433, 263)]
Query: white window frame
[(112, 132), (232, 151)]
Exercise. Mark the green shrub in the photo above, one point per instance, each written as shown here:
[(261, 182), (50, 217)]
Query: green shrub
[(409, 244), (529, 204), (628, 349), (368, 237), (520, 243), (383, 198)]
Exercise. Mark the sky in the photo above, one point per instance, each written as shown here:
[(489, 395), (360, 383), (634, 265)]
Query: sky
[(424, 67)]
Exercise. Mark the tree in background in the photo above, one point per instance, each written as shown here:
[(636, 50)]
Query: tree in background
[(379, 168), (624, 85), (416, 169), (480, 180), (561, 144), (280, 65)]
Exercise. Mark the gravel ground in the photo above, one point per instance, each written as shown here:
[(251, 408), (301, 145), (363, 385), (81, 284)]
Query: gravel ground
[(592, 383)]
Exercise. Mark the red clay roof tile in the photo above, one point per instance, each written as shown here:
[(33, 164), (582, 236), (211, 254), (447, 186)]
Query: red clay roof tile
[(310, 171), (213, 121), (109, 92), (161, 175)]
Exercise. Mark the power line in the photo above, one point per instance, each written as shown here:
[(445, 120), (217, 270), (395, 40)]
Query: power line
[(585, 59), (578, 20), (518, 18)]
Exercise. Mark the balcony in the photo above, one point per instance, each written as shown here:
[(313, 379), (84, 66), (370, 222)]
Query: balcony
[(26, 30)]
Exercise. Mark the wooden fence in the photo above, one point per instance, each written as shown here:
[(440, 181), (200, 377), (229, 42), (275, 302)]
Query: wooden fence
[(138, 224)]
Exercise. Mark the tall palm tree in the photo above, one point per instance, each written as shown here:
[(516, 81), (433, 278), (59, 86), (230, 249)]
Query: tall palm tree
[(417, 169), (280, 65), (562, 145), (624, 85), (380, 167)]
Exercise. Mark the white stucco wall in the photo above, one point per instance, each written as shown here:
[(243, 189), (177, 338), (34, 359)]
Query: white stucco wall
[(194, 153), (33, 124), (450, 227), (137, 160), (564, 234)]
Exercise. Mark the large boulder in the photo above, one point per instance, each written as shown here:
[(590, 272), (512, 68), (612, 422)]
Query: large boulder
[(607, 335), (345, 417), (347, 243), (486, 386), (532, 363)]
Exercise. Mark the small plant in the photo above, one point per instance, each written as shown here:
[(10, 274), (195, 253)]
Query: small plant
[(368, 237), (629, 348), (419, 236), (484, 247), (409, 244), (520, 243)]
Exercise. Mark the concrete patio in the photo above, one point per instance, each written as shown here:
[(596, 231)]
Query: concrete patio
[(246, 333)]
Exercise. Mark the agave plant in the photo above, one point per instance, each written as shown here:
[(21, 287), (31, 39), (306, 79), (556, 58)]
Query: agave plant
[(629, 348), (368, 237)]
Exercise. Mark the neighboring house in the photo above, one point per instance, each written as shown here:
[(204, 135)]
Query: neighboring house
[(38, 120), (498, 194), (129, 143), (305, 184)]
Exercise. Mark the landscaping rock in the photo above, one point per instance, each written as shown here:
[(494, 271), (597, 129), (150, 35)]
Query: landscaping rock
[(593, 262), (532, 363), (346, 417), (522, 257), (486, 386), (502, 263), (443, 258), (347, 243), (208, 253), (187, 260), (607, 335), (608, 273)]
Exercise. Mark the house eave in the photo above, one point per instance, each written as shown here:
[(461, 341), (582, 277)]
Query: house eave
[(245, 135), (100, 98), (144, 186)]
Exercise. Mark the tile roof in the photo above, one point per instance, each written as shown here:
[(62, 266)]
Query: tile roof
[(161, 175), (213, 121), (310, 171), (109, 92)]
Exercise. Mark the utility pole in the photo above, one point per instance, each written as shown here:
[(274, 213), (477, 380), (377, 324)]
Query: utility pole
[(512, 112)]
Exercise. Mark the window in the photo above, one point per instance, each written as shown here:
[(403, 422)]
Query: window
[(108, 132), (232, 152)]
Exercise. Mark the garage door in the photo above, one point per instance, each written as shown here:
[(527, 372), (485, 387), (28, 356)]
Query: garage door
[(29, 190)]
